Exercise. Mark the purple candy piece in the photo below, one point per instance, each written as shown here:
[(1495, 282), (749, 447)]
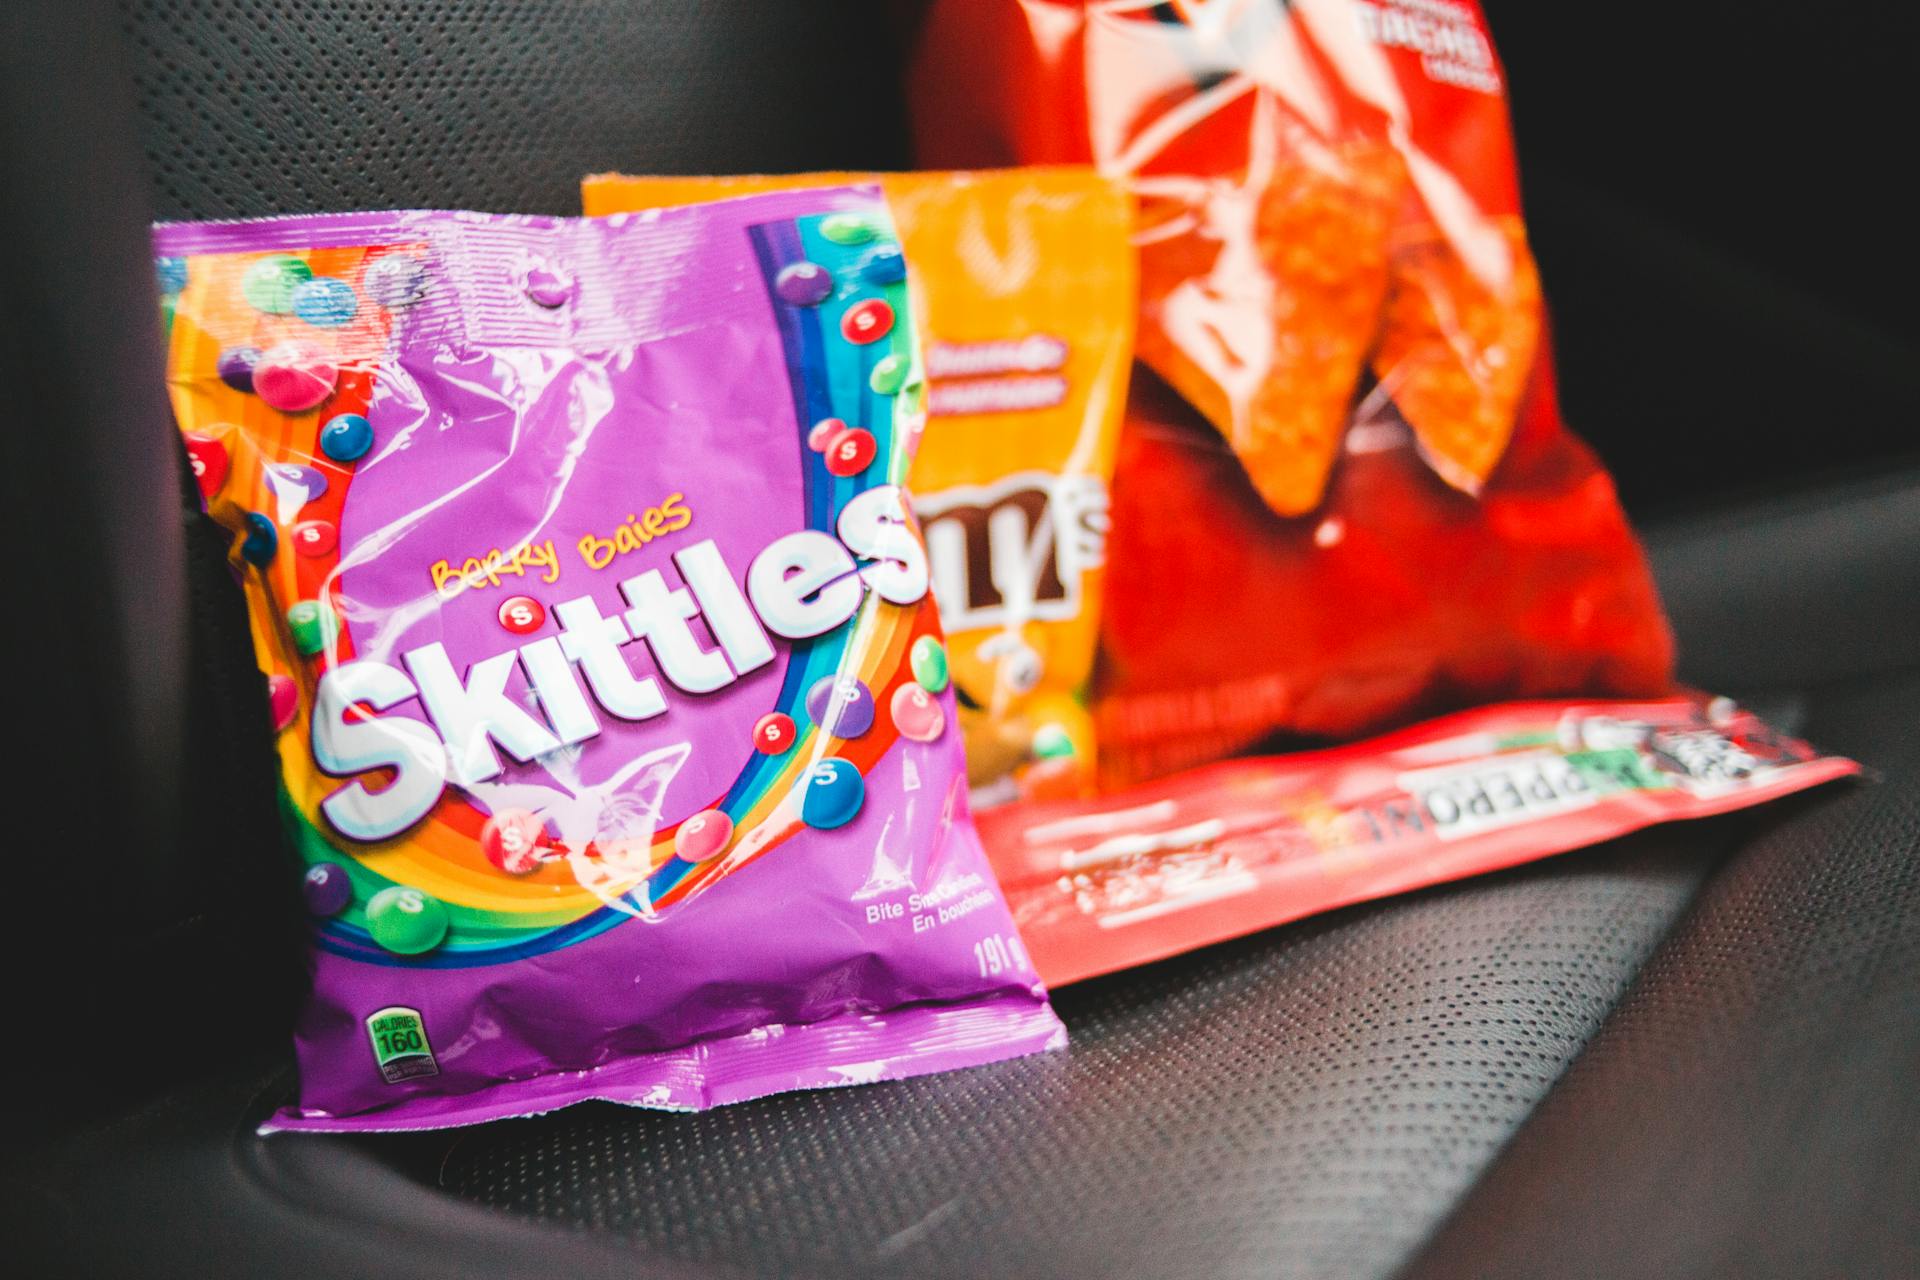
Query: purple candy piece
[(235, 367), (290, 480), (328, 889), (804, 284), (550, 287), (853, 700), (397, 280)]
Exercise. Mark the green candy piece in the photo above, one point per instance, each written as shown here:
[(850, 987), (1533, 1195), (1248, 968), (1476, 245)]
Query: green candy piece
[(888, 376), (268, 284), (928, 658), (913, 397), (1051, 742), (314, 626), (848, 228), (406, 921), (166, 313)]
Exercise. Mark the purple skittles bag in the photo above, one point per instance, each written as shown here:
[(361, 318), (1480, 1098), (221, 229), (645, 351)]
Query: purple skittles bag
[(614, 718)]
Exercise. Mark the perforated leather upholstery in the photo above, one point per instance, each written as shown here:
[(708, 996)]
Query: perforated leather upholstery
[(252, 107)]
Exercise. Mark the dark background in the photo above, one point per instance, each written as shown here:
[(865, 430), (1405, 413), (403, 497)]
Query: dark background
[(1721, 202)]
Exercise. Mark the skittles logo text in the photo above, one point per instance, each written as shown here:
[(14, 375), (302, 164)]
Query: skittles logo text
[(802, 585)]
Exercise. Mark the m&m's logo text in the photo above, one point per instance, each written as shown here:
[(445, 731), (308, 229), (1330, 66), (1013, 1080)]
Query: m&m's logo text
[(801, 585), (1006, 553)]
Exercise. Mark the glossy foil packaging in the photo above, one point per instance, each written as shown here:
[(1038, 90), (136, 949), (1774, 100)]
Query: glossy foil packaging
[(1347, 455), (614, 729)]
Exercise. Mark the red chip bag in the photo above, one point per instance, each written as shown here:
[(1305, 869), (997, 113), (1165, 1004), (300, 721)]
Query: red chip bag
[(1401, 597), (1335, 280)]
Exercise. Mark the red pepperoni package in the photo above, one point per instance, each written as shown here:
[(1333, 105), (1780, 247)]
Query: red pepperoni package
[(1244, 845), (1344, 448)]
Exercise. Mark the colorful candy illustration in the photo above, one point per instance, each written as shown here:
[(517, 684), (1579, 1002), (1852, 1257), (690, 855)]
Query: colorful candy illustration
[(303, 405)]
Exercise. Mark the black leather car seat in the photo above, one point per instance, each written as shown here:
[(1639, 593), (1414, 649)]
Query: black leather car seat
[(1686, 1053)]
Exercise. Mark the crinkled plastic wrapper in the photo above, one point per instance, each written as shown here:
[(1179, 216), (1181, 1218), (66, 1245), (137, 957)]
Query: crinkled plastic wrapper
[(1335, 277), (609, 730), (1248, 844), (1027, 279)]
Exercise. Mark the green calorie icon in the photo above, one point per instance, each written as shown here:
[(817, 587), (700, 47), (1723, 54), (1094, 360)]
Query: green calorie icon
[(400, 1047)]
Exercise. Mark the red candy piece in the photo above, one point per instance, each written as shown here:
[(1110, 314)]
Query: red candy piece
[(867, 321), (315, 538), (283, 697), (823, 433), (511, 839), (851, 452), (521, 614), (774, 733), (208, 458)]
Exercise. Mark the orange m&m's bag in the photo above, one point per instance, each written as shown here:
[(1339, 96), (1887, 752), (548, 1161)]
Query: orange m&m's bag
[(1027, 281)]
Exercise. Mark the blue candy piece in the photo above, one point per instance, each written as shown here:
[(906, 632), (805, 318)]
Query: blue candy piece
[(346, 437), (834, 792), (884, 266), (853, 700), (262, 540), (325, 302), (171, 274)]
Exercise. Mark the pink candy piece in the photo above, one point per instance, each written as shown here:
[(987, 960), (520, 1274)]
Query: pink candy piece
[(704, 835), (511, 840), (293, 378), (917, 714), (283, 697), (823, 433)]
